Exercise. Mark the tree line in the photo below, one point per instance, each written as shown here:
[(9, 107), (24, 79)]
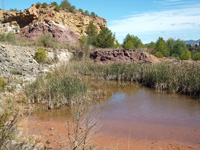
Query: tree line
[(67, 6), (161, 48)]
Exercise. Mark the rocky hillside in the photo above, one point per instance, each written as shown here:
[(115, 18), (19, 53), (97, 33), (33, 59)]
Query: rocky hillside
[(123, 56), (33, 22), (19, 61)]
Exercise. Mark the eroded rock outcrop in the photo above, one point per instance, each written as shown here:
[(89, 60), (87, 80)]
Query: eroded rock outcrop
[(122, 55), (32, 22)]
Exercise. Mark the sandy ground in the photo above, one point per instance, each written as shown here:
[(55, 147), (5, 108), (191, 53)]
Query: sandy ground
[(54, 135)]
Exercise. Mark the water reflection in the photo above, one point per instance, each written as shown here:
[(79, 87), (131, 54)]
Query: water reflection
[(141, 112)]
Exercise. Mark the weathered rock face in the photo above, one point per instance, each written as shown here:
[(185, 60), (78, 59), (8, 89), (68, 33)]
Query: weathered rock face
[(64, 26), (121, 55)]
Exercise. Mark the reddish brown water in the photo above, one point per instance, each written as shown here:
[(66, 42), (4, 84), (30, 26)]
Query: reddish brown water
[(139, 113)]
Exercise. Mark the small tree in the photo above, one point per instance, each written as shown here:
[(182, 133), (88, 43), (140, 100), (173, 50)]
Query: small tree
[(57, 8), (170, 46), (38, 5), (92, 33), (54, 3), (44, 5), (65, 4), (86, 13), (161, 46), (179, 49), (105, 39), (40, 55), (92, 14), (81, 10), (151, 47), (129, 45), (136, 42)]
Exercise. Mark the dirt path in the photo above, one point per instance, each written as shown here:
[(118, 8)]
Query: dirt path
[(54, 135)]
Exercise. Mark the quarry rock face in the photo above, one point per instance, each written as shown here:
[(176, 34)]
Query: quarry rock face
[(33, 22), (122, 56)]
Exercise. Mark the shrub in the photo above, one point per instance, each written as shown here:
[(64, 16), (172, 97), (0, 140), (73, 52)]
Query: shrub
[(2, 83), (159, 55), (92, 14), (10, 37), (46, 41), (40, 55), (54, 4), (160, 46), (44, 5), (38, 5), (3, 37), (196, 56), (57, 8), (65, 4), (81, 10), (86, 13)]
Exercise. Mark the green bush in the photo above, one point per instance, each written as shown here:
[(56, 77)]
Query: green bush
[(44, 5), (81, 10), (40, 55), (196, 56), (2, 83), (10, 37), (46, 40), (54, 3), (159, 55), (3, 37), (38, 5), (57, 8)]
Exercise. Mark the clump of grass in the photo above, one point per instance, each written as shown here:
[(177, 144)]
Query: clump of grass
[(9, 117), (179, 77), (56, 88), (10, 37), (2, 83)]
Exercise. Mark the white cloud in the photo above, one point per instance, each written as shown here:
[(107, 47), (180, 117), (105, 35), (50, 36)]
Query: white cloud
[(182, 19), (174, 2)]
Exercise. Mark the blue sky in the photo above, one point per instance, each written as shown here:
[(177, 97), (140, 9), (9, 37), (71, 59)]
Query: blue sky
[(147, 19)]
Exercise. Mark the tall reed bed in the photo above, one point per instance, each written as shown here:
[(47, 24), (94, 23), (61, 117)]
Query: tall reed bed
[(56, 88), (179, 77)]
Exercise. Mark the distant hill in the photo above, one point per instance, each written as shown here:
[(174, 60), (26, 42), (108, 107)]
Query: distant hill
[(192, 42)]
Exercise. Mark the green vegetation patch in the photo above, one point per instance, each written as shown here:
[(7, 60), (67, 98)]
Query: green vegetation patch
[(40, 55), (2, 83), (57, 88), (181, 78)]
